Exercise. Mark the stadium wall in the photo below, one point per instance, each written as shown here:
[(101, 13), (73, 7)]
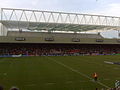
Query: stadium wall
[(64, 40), (52, 34), (3, 30)]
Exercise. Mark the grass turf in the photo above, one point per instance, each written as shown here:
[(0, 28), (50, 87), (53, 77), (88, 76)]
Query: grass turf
[(58, 72)]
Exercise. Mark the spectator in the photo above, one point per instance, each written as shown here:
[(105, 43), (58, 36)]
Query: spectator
[(1, 88), (117, 84), (14, 88)]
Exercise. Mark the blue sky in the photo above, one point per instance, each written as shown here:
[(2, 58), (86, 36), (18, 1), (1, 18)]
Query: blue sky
[(106, 7), (102, 7)]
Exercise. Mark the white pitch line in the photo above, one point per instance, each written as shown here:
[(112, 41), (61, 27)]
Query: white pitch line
[(68, 67), (31, 85), (50, 83)]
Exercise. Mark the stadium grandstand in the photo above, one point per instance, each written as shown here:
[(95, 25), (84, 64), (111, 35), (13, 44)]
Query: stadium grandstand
[(26, 32), (20, 29)]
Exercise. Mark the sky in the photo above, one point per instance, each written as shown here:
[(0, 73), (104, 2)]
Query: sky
[(102, 7)]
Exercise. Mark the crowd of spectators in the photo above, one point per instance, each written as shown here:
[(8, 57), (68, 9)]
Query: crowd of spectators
[(58, 49)]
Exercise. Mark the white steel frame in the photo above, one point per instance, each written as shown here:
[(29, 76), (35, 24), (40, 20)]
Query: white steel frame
[(53, 20)]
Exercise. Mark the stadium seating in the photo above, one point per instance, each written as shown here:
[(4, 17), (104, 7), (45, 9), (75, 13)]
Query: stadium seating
[(58, 49)]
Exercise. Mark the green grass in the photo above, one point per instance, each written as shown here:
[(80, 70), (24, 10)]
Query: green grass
[(58, 73)]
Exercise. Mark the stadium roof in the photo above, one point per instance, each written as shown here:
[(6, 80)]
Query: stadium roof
[(56, 21)]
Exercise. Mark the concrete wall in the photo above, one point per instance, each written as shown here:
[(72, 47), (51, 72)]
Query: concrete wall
[(8, 39), (0, 29), (58, 35), (3, 30)]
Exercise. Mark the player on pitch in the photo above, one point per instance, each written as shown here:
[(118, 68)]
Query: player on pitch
[(95, 76)]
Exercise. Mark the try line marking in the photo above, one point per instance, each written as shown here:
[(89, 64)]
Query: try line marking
[(76, 71)]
